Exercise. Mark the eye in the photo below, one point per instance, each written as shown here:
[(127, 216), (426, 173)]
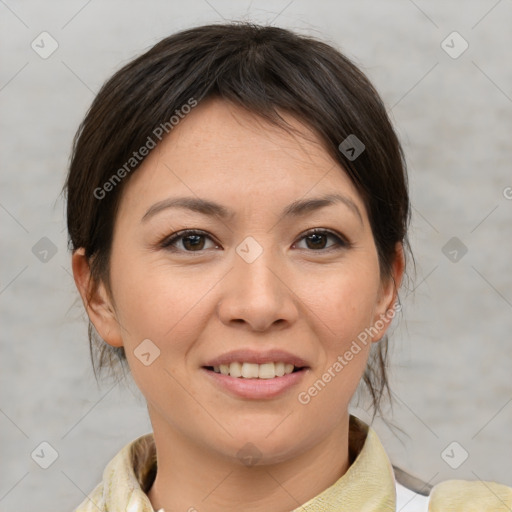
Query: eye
[(191, 240), (316, 240)]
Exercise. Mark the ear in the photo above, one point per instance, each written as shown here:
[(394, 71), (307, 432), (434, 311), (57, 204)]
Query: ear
[(387, 305), (97, 302)]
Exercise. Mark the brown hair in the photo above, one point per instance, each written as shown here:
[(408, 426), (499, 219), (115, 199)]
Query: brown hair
[(265, 70)]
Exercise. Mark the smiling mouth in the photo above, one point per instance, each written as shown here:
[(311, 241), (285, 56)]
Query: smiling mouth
[(269, 370)]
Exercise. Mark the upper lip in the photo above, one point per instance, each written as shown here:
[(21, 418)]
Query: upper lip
[(257, 357)]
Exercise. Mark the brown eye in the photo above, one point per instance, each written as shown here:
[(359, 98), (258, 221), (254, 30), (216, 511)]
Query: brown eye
[(193, 242), (187, 241), (317, 240)]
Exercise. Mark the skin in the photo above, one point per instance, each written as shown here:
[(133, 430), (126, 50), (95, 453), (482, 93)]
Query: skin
[(311, 300)]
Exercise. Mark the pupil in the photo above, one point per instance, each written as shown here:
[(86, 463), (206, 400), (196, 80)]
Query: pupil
[(315, 238), (196, 243)]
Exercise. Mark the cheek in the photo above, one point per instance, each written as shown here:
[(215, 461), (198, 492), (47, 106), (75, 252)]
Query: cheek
[(343, 308), (344, 303), (160, 306), (155, 301)]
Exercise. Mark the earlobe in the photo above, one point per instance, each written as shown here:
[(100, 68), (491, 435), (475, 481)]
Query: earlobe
[(96, 300), (388, 304)]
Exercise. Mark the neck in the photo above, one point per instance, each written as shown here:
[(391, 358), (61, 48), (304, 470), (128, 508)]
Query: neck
[(193, 478)]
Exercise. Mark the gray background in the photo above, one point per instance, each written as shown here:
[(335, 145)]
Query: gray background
[(452, 349)]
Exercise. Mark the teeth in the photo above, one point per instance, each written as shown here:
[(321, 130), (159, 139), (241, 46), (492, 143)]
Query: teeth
[(266, 371), (235, 369), (254, 371), (249, 370), (279, 369)]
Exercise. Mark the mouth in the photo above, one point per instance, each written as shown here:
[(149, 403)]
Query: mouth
[(256, 381), (264, 371), (255, 374)]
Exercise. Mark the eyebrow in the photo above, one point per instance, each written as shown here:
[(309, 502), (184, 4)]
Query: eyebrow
[(296, 209)]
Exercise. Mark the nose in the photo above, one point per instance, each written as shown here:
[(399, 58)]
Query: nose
[(257, 295)]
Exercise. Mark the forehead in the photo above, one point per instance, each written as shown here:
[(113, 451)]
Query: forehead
[(222, 150)]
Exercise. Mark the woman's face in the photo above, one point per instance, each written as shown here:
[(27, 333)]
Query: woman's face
[(250, 283)]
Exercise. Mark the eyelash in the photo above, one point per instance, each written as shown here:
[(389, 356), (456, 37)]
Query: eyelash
[(168, 242), (341, 242)]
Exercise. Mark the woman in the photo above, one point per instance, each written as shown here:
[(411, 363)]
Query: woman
[(237, 213)]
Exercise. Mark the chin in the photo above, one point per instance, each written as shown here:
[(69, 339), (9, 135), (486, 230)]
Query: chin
[(254, 446)]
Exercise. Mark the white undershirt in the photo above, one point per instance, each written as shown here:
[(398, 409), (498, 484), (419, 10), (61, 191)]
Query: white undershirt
[(409, 501)]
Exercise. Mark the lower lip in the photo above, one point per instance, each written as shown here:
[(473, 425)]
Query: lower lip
[(256, 388)]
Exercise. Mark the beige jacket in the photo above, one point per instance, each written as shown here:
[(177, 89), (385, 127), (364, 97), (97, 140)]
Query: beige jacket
[(370, 484)]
